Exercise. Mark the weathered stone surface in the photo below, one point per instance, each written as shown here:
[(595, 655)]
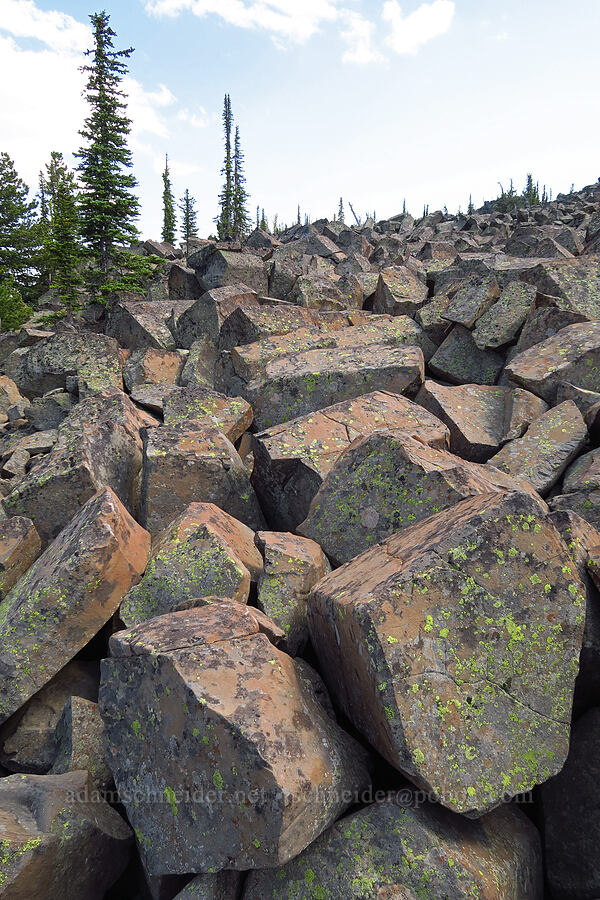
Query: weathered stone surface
[(292, 567), (10, 396), (459, 360), (224, 885), (27, 738), (400, 849), (99, 445), (291, 460), (501, 323), (187, 463), (387, 481), (297, 385), (151, 366), (67, 595), (203, 553), (430, 318), (139, 324), (20, 546), (199, 368), (472, 300), (204, 317), (572, 285), (183, 284), (152, 396), (583, 474), (217, 268), (454, 645), (585, 503), (319, 292), (399, 292), (480, 417), (231, 415), (49, 411), (267, 767), (247, 324), (56, 840), (570, 803), (543, 323), (573, 355), (79, 742), (546, 449)]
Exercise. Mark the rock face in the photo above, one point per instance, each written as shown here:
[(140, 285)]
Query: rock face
[(231, 415), (20, 546), (471, 697), (266, 766)]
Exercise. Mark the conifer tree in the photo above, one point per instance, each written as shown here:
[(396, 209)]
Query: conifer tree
[(241, 219), (531, 193), (264, 224), (169, 221), (108, 204), (257, 217), (19, 231), (224, 220), (189, 217), (340, 215), (298, 219), (62, 239), (470, 207)]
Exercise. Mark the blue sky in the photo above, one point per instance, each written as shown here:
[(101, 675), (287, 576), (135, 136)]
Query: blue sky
[(372, 100)]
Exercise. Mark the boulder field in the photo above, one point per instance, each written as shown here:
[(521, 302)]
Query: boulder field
[(300, 570)]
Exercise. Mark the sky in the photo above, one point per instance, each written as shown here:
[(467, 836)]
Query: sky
[(375, 101)]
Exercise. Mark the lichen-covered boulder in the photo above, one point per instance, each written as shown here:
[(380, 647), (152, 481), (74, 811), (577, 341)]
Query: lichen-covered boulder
[(404, 849), (583, 474), (291, 460), (203, 553), (140, 324), (10, 396), (224, 885), (460, 361), (59, 840), (220, 749), (79, 742), (502, 321), (399, 292), (66, 597), (387, 481), (50, 410), (231, 415), (454, 645), (151, 366), (186, 463), (543, 453), (247, 324), (292, 567), (216, 268), (572, 286), (204, 317), (199, 368), (472, 300), (20, 546), (585, 503)]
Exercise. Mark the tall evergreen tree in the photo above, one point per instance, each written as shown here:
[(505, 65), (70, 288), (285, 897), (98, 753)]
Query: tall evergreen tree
[(531, 193), (108, 204), (264, 222), (257, 217), (62, 238), (224, 220), (241, 219), (340, 215), (298, 221), (19, 230), (169, 221), (189, 217)]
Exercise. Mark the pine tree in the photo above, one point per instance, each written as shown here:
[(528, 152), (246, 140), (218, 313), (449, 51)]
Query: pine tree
[(43, 227), (169, 221), (108, 205), (531, 193), (257, 217), (340, 215), (241, 219), (298, 219), (189, 218), (224, 220), (264, 224), (62, 246), (19, 231), (470, 207)]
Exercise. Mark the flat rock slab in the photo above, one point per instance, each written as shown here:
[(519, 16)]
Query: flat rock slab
[(247, 324), (20, 546), (572, 355), (387, 481), (291, 460), (501, 323), (140, 324), (572, 285), (67, 596), (298, 385), (188, 463), (151, 366), (472, 300), (460, 361), (399, 292), (260, 768), (544, 322), (396, 850), (231, 415), (480, 417), (546, 449), (57, 840), (203, 553), (583, 474), (454, 645)]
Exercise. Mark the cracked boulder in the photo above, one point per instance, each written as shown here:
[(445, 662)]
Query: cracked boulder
[(403, 849), (291, 460), (190, 463), (59, 840), (459, 360), (399, 292), (216, 267), (199, 368), (472, 300), (203, 553), (501, 323), (20, 546), (205, 316), (66, 597), (454, 645), (231, 415), (387, 481), (140, 324), (151, 366), (79, 742), (224, 747)]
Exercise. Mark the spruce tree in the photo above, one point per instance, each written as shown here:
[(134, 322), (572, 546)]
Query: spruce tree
[(241, 219), (224, 220), (340, 215), (169, 222), (19, 231), (264, 223), (189, 218), (108, 204), (257, 217), (62, 245)]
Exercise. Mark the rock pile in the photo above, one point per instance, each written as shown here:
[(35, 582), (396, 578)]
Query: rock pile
[(299, 570)]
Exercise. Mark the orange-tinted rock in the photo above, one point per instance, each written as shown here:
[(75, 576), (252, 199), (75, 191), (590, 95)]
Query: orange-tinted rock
[(399, 292), (79, 742), (204, 317), (231, 415), (9, 396), (67, 596), (152, 366), (20, 546)]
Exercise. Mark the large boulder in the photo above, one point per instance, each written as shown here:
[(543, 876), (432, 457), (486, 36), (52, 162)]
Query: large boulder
[(399, 292), (216, 267), (291, 460), (231, 415), (453, 647), (247, 324), (472, 300), (140, 324), (204, 317), (151, 366), (502, 322), (572, 285), (66, 597), (79, 742), (20, 546), (460, 361), (205, 714)]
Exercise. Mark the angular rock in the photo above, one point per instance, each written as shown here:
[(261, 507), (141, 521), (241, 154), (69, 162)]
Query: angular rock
[(292, 567), (225, 885), (216, 268), (453, 647), (459, 360), (204, 317), (247, 324), (502, 322), (49, 411), (583, 474), (140, 324), (291, 460), (430, 317), (585, 503), (10, 396), (260, 769), (187, 463), (67, 596), (199, 368), (203, 553), (152, 366), (402, 849), (183, 284), (399, 292), (231, 415), (59, 840), (572, 285), (472, 301), (318, 292), (546, 449), (384, 482), (543, 323), (20, 546), (79, 742), (152, 396)]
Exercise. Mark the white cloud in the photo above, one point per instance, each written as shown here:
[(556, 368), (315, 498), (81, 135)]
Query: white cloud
[(502, 36), (410, 32), (144, 109), (201, 119), (59, 31), (358, 34)]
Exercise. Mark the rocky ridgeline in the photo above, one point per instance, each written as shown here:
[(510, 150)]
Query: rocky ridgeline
[(300, 556)]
